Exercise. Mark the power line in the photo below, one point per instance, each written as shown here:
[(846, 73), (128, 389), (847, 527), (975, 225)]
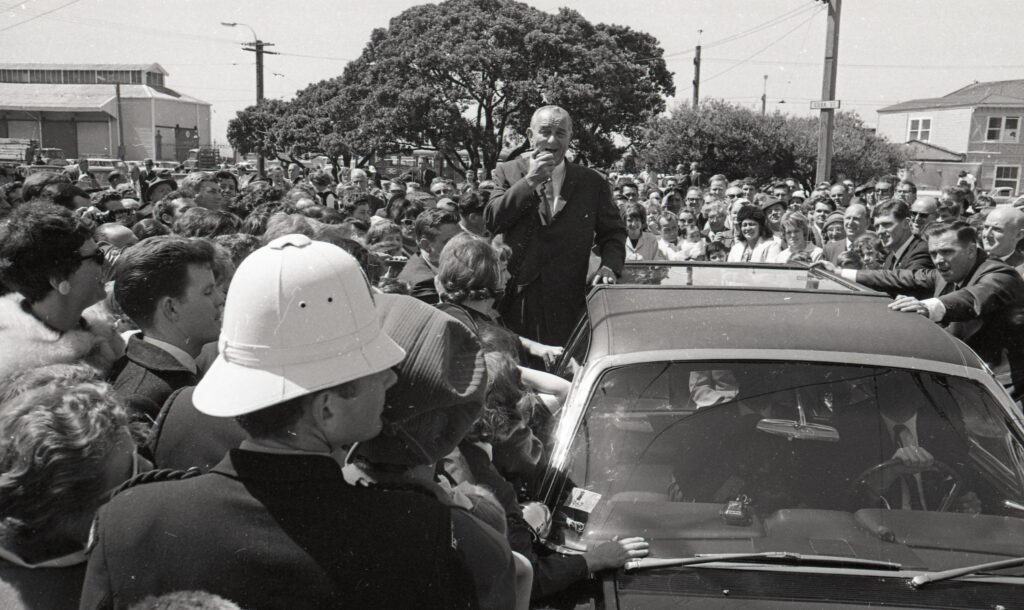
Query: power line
[(763, 26), (43, 14), (314, 56), (768, 62), (766, 47)]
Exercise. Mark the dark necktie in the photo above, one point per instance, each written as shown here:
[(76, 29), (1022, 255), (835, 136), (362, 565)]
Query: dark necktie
[(903, 438), (545, 192)]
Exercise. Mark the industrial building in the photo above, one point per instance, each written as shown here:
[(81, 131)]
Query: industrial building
[(77, 107)]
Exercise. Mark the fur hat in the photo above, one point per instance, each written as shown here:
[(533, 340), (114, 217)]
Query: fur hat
[(440, 387)]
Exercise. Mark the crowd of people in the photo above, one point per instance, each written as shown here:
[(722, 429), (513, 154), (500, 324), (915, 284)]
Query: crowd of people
[(314, 390)]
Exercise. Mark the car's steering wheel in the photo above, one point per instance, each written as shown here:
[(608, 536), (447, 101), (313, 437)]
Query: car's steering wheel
[(938, 467)]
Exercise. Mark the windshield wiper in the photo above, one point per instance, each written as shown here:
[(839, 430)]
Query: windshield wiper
[(763, 557), (919, 581)]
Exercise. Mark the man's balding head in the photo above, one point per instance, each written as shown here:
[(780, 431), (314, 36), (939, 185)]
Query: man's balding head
[(855, 221), (1002, 231), (117, 235), (550, 131)]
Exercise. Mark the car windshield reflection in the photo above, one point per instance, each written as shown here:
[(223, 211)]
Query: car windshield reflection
[(904, 466), (727, 275)]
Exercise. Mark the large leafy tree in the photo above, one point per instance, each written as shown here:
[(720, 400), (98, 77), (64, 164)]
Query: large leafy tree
[(254, 130), (738, 142), (464, 77), (310, 123)]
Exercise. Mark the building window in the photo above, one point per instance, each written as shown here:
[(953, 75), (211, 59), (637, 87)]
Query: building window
[(920, 129), (1003, 129), (1007, 175)]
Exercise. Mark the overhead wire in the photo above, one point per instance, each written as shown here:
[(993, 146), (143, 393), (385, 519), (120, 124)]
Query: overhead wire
[(769, 62), (732, 37), (43, 14), (764, 48), (763, 26)]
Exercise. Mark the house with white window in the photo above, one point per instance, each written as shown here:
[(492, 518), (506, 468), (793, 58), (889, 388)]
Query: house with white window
[(974, 129), (78, 108)]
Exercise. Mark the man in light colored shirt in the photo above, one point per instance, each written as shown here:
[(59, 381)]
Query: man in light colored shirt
[(166, 286)]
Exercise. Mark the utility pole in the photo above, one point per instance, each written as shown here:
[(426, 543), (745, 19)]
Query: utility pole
[(120, 123), (696, 78), (826, 122), (764, 95), (256, 46)]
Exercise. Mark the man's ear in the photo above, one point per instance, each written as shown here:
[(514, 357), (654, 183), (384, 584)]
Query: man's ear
[(167, 307), (321, 405), (424, 244)]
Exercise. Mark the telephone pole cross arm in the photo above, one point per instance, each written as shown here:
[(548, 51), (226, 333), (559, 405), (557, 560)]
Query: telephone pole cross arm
[(257, 46)]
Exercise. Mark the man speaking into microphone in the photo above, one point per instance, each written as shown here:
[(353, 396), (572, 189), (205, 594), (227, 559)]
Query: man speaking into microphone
[(551, 213)]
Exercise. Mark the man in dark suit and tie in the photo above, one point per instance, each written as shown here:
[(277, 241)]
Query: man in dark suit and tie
[(551, 213), (894, 422), (977, 299), (905, 250), (433, 229)]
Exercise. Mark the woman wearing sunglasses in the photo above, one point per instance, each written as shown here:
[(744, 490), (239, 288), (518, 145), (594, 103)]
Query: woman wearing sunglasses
[(52, 272)]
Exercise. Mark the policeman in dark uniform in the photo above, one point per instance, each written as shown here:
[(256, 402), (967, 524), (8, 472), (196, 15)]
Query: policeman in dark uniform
[(274, 524)]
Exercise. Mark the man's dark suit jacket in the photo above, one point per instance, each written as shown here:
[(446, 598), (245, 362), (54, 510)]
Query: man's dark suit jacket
[(183, 438), (833, 249), (554, 258), (146, 375), (911, 255), (1016, 260), (986, 313), (865, 441), (420, 278), (276, 531)]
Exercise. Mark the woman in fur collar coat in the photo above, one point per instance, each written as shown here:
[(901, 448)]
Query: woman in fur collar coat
[(52, 270)]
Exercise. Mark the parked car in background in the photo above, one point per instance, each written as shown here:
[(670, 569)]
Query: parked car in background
[(1002, 194), (747, 421)]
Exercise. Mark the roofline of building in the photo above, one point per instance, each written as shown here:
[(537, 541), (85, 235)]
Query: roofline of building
[(151, 67)]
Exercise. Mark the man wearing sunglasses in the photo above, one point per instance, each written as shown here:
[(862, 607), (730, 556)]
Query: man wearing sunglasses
[(883, 190), (922, 213)]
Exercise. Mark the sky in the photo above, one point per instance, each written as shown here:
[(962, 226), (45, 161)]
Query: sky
[(889, 50)]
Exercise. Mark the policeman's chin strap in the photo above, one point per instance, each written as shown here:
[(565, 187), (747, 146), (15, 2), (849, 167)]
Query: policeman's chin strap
[(395, 430)]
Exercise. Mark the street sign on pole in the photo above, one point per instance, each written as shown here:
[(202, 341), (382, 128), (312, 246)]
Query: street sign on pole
[(825, 105)]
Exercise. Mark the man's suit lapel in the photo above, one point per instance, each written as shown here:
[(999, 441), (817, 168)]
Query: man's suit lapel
[(523, 165), (901, 251)]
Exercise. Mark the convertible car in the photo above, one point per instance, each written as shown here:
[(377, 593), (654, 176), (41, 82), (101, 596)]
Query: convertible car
[(782, 439)]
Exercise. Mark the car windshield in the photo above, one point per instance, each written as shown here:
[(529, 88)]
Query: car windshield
[(726, 275), (738, 457)]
